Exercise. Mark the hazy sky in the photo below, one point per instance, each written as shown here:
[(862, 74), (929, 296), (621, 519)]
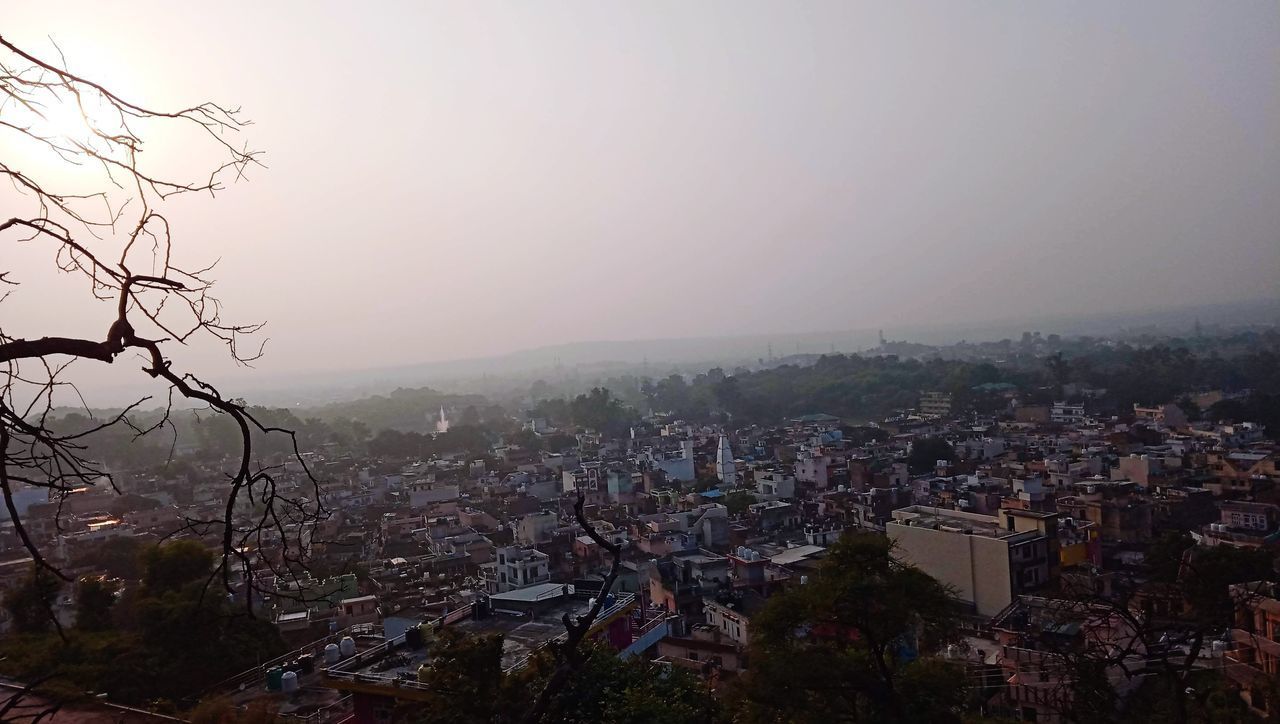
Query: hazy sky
[(466, 178)]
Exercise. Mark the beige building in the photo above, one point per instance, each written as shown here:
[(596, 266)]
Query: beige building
[(935, 404), (988, 560)]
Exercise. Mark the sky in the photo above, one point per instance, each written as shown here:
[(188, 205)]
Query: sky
[(457, 179)]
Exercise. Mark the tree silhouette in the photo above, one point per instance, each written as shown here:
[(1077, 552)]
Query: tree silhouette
[(107, 228)]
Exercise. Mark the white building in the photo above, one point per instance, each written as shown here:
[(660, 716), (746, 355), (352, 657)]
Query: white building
[(726, 470), (775, 485), (514, 568)]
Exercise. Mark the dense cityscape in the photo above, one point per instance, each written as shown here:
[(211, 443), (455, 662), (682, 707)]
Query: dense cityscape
[(1056, 539), (717, 362)]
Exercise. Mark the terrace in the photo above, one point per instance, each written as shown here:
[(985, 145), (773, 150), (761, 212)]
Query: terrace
[(391, 668)]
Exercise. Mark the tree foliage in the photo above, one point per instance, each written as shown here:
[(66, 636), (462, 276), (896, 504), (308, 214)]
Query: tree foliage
[(30, 604), (467, 685), (166, 638), (926, 452), (854, 643)]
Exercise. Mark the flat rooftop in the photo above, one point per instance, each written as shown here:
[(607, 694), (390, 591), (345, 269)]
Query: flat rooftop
[(955, 521), (523, 634)]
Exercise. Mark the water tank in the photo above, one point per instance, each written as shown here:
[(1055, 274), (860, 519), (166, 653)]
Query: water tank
[(289, 682), (331, 655), (306, 663), (347, 646), (274, 674)]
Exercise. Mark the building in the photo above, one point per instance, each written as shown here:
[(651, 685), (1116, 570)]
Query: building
[(1117, 507), (726, 470), (730, 612), (423, 494), (1064, 413), (935, 404), (676, 464), (537, 528), (775, 485), (1243, 524), (516, 568), (1037, 641), (1167, 415), (988, 560), (382, 678), (1253, 656)]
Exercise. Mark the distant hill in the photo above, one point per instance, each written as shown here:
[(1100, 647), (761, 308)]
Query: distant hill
[(659, 356)]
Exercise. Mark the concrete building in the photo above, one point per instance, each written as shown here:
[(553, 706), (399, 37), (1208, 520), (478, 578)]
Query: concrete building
[(935, 404), (989, 560), (1065, 413), (775, 485), (1253, 658), (726, 470), (536, 528), (515, 568)]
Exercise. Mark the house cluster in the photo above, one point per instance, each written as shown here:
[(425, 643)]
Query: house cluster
[(712, 521)]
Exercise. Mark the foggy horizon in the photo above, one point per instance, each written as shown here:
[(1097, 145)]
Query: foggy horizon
[(449, 182)]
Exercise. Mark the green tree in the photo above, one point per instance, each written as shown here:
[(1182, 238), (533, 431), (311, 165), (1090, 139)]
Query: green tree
[(171, 566), (465, 679), (467, 685), (738, 501), (926, 452), (854, 643), (94, 599), (635, 691), (30, 604)]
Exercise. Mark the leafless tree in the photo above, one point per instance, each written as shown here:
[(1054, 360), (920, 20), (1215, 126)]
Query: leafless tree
[(108, 228)]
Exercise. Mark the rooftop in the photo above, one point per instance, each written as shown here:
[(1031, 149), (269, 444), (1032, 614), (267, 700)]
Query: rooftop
[(955, 521), (394, 663)]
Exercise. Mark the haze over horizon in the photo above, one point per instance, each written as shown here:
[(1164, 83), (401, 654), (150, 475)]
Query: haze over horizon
[(582, 172)]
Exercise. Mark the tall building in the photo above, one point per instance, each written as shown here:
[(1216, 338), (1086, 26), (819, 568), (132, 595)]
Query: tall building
[(725, 469), (442, 422), (988, 560)]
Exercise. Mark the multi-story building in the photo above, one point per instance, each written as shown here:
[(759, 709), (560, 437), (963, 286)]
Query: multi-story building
[(536, 528), (1040, 638), (515, 568), (1066, 413), (1117, 507), (988, 560), (1253, 659), (775, 485), (935, 404), (1243, 524)]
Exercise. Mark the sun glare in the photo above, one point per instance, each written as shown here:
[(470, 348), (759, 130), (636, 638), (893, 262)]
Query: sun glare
[(66, 120)]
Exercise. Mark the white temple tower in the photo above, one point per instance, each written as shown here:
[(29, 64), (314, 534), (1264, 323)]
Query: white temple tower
[(725, 469)]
